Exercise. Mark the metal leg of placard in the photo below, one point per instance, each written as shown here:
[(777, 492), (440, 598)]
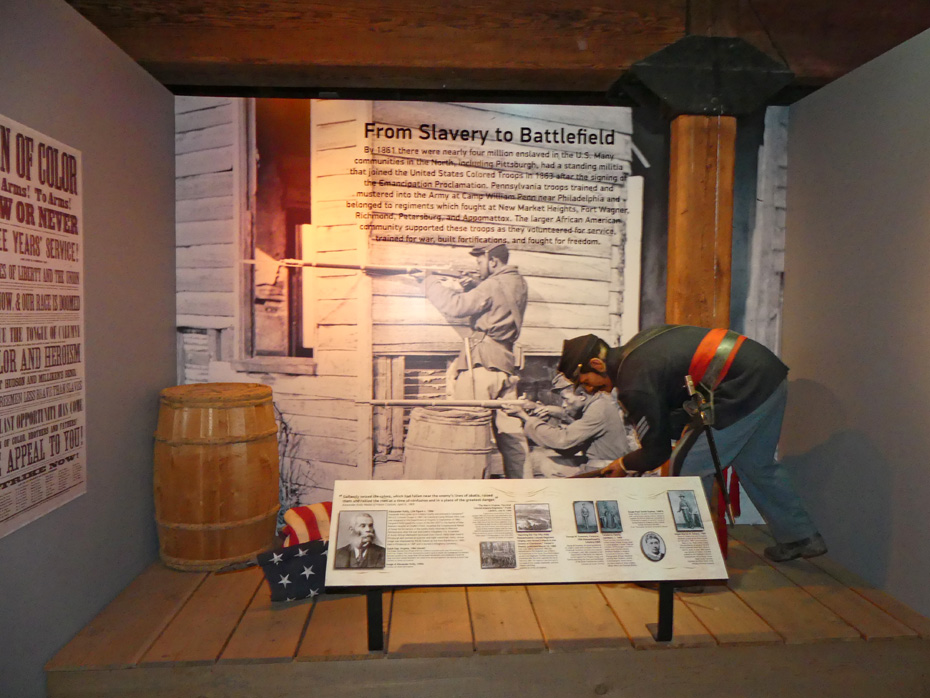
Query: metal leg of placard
[(666, 611), (375, 621)]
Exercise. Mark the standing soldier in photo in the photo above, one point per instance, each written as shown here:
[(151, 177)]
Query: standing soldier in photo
[(689, 516), (486, 367)]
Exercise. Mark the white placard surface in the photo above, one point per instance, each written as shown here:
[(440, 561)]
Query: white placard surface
[(434, 532)]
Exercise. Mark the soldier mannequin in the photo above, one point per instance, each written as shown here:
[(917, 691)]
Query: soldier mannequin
[(649, 377)]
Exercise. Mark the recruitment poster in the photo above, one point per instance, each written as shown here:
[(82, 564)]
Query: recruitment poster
[(42, 441)]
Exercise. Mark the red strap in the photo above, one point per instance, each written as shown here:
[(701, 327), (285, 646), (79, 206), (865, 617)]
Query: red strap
[(733, 491), (720, 524), (705, 352), (701, 360)]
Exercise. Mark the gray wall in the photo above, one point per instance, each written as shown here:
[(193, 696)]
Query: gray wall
[(856, 325), (63, 78)]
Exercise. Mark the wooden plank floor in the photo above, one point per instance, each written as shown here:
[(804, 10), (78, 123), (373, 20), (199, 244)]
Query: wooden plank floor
[(175, 633)]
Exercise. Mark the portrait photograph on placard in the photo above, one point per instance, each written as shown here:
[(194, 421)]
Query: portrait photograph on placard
[(608, 515), (360, 540), (685, 510), (652, 545), (585, 518)]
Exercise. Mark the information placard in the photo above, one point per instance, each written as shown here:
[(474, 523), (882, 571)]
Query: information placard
[(42, 445), (496, 531)]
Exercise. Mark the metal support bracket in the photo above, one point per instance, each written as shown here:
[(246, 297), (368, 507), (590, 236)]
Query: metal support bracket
[(663, 632), (375, 620)]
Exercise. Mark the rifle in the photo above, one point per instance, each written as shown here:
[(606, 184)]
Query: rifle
[(373, 268), (701, 410), (602, 472), (486, 404)]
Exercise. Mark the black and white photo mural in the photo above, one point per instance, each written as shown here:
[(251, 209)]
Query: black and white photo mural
[(369, 260)]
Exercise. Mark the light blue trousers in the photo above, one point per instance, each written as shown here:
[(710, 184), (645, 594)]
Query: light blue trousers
[(749, 446)]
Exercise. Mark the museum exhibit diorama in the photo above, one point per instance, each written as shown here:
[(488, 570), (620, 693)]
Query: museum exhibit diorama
[(498, 390)]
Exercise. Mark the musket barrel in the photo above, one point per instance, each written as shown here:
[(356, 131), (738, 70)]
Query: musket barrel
[(370, 268), (487, 404)]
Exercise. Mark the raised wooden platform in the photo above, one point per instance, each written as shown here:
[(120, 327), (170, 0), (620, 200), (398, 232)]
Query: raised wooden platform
[(795, 629)]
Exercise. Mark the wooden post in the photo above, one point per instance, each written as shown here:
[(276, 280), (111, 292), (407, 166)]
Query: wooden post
[(739, 79), (700, 232), (700, 220)]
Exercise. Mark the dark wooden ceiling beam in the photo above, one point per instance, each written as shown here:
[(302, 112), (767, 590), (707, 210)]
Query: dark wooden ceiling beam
[(351, 56), (434, 44), (492, 45), (823, 40)]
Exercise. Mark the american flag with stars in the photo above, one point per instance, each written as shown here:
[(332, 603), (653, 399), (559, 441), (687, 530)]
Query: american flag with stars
[(295, 571)]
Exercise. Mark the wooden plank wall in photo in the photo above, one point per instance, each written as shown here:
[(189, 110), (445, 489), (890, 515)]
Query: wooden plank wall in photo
[(318, 422), (767, 245), (325, 434), (207, 138)]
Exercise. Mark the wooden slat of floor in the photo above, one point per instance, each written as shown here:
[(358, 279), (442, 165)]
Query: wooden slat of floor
[(503, 620), (871, 622), (430, 622), (576, 616), (184, 620), (268, 632), (729, 619), (120, 635), (920, 624), (638, 612), (338, 628), (199, 632), (789, 610)]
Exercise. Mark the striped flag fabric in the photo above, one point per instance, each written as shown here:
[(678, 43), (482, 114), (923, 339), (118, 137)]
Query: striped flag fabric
[(307, 522)]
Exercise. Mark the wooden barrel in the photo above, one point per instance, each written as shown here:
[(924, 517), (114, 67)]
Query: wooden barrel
[(216, 474), (445, 443)]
